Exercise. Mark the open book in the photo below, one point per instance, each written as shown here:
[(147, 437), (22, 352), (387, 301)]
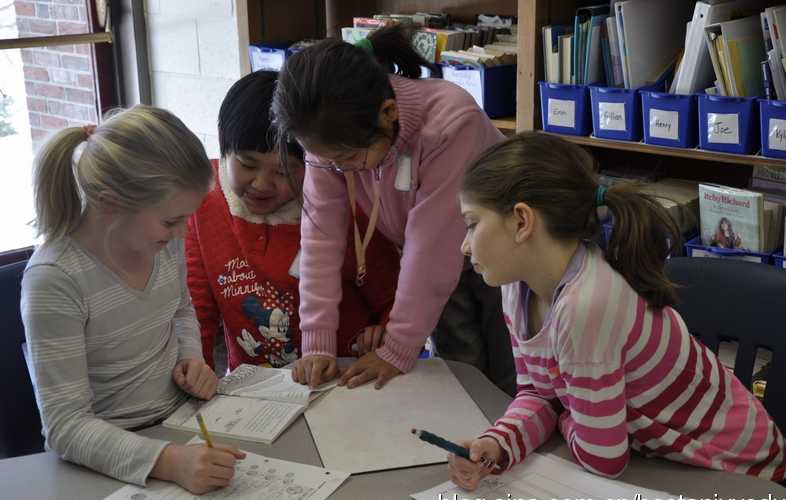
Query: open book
[(274, 384), (253, 404)]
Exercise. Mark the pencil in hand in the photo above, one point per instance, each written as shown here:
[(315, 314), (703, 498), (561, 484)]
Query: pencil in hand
[(203, 430), (451, 447)]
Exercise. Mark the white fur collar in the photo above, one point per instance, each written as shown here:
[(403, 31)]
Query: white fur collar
[(289, 213)]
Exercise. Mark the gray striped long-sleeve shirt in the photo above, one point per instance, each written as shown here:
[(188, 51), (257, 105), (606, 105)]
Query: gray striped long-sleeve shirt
[(102, 354)]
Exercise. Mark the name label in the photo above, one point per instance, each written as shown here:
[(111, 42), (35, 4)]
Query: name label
[(723, 128), (612, 116), (664, 124), (777, 134), (562, 113)]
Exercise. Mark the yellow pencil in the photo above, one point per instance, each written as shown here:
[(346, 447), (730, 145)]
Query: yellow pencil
[(203, 430)]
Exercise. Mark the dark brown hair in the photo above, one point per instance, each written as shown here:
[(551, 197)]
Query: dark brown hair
[(557, 179), (332, 91)]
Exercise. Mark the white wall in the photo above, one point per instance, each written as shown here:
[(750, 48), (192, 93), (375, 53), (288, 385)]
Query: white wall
[(198, 49)]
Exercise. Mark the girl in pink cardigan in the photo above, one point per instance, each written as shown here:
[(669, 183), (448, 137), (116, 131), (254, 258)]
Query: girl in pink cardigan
[(396, 146)]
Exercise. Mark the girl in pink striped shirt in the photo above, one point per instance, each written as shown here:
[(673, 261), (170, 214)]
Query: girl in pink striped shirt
[(600, 354)]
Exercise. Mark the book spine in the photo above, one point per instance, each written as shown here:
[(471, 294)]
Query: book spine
[(766, 79)]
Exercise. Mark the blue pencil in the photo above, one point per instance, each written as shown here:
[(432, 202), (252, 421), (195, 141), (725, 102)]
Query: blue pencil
[(442, 443)]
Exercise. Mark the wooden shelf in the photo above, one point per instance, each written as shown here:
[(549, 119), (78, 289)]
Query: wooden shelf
[(507, 125), (693, 154)]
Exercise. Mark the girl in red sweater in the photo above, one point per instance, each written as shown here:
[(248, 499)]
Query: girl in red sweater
[(243, 245)]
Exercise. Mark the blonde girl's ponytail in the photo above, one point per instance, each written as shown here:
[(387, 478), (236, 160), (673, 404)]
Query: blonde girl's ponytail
[(58, 205), (140, 156)]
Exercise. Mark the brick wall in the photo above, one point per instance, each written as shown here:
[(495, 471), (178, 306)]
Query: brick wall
[(59, 80)]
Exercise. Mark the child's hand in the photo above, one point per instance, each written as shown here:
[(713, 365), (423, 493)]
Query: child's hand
[(368, 368), (196, 467), (370, 338), (484, 454), (314, 370), (195, 377)]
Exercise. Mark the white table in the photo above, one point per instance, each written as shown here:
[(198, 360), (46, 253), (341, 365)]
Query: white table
[(44, 476)]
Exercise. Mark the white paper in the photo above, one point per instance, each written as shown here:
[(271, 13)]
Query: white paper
[(562, 113), (664, 124), (237, 417), (379, 421), (723, 128), (256, 477), (541, 476), (777, 134), (272, 61), (468, 79), (273, 384), (612, 116)]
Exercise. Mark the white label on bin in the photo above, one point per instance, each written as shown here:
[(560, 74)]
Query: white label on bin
[(562, 113), (777, 134), (612, 116), (664, 124), (723, 128), (468, 79), (271, 61)]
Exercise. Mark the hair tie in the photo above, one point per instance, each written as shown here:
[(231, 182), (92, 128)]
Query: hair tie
[(365, 44), (89, 129), (600, 196)]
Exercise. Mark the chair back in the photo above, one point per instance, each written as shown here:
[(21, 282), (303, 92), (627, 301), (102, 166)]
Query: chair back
[(20, 422), (732, 300)]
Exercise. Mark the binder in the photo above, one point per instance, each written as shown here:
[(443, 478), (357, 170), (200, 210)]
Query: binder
[(739, 48), (697, 72), (653, 33)]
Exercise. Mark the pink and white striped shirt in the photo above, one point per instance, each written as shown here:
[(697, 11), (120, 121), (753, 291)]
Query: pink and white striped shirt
[(616, 374)]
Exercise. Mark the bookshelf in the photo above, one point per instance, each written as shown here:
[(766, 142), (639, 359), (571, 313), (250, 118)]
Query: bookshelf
[(734, 170), (696, 154), (273, 21)]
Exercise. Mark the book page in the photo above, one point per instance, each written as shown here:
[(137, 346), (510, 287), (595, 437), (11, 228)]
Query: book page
[(237, 417), (541, 476), (365, 429), (268, 383), (256, 477)]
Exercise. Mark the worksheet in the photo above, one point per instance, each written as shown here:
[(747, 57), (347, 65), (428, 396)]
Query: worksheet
[(541, 476), (256, 477)]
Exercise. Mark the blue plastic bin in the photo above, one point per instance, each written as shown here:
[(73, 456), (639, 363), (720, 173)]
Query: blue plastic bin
[(494, 88), (773, 128), (268, 56), (565, 108), (779, 260), (728, 124), (616, 112), (669, 119), (694, 248)]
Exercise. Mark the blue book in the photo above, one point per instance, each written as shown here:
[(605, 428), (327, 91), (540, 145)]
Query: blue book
[(587, 19)]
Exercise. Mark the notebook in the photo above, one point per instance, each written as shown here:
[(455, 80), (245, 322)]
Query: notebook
[(253, 404)]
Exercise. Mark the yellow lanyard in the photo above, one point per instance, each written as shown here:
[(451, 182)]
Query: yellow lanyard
[(362, 244)]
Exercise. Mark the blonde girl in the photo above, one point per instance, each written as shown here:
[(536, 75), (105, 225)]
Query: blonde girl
[(113, 340)]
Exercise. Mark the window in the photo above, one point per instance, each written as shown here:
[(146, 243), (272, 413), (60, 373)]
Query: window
[(49, 79)]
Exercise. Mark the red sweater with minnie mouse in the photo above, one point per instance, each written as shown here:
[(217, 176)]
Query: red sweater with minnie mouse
[(243, 274)]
